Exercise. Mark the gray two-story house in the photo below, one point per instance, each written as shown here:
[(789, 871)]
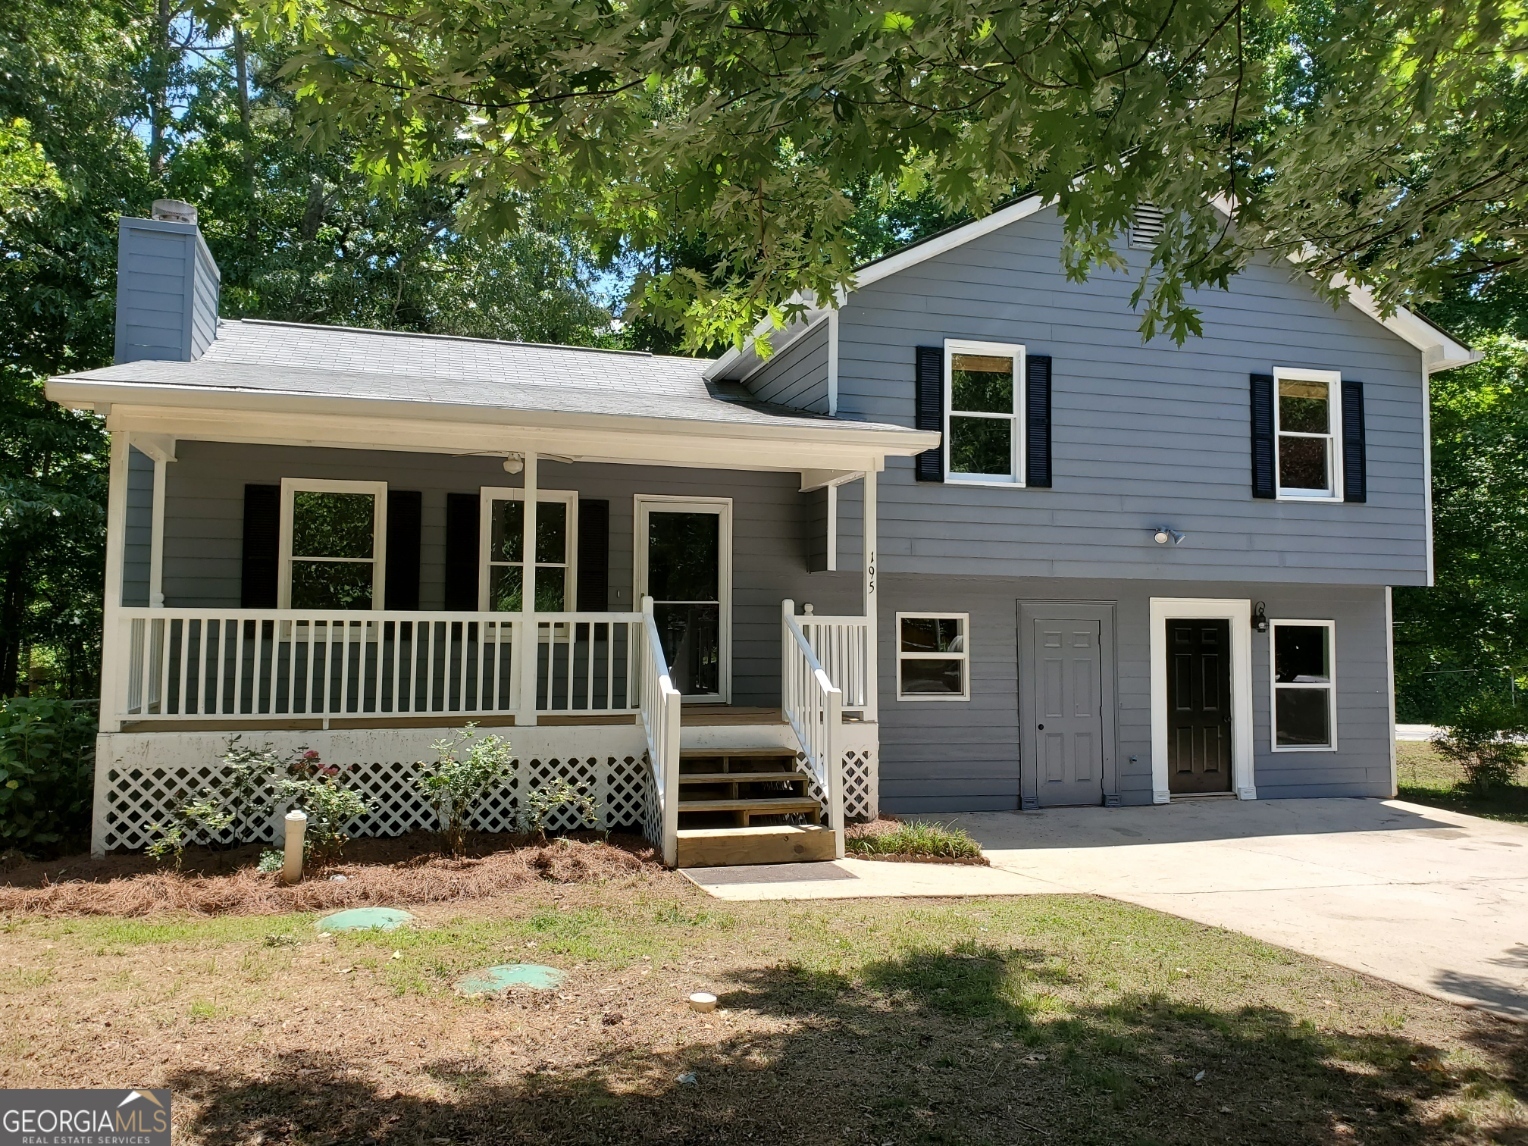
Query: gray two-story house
[(960, 541)]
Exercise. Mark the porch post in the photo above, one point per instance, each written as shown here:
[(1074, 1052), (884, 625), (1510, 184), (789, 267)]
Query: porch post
[(111, 596), (872, 665), (531, 644), (156, 538)]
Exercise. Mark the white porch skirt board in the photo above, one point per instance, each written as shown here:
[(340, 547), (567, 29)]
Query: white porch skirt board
[(141, 777)]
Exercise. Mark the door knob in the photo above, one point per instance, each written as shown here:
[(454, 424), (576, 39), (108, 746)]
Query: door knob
[(1042, 728)]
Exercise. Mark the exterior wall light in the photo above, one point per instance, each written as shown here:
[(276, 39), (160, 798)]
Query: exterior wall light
[(1165, 533), (1260, 617)]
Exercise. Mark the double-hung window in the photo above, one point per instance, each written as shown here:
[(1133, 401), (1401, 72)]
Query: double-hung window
[(933, 657), (1304, 685), (983, 429), (503, 553), (1309, 446), (333, 537)]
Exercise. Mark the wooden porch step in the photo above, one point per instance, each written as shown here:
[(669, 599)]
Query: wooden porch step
[(767, 806), (737, 753), (740, 777), (725, 847)]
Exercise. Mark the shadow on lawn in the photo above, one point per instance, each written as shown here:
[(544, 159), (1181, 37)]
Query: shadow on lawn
[(968, 1046)]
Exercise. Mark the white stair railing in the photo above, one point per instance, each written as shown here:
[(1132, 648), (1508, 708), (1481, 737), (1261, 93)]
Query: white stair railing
[(813, 705), (660, 721)]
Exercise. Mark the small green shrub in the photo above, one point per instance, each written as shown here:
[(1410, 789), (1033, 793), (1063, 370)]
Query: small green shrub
[(456, 783), (271, 860), (204, 815), (1485, 741), (915, 838), (251, 787), (47, 768)]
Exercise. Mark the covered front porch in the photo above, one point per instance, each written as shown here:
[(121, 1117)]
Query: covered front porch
[(699, 657)]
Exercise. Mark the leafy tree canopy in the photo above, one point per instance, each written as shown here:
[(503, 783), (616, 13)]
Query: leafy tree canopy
[(1383, 145)]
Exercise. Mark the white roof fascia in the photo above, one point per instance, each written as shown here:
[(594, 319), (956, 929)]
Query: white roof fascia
[(1439, 350), (792, 330), (354, 421)]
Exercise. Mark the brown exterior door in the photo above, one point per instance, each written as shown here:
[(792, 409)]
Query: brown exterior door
[(1068, 737), (1198, 706)]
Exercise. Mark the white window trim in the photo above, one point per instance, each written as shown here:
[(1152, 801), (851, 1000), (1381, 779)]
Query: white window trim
[(489, 494), (378, 489), (1333, 379), (1330, 685), (964, 655), (645, 503), (1239, 613), (1016, 351)]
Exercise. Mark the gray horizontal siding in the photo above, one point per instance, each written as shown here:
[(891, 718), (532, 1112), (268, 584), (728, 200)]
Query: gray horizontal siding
[(1143, 435), (940, 756), (205, 506), (798, 374), (138, 529)]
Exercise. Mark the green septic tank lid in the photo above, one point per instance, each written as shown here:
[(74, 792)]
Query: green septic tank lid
[(492, 980), (366, 919)]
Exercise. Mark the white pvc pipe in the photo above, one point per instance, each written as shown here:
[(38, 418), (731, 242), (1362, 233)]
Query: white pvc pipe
[(296, 827)]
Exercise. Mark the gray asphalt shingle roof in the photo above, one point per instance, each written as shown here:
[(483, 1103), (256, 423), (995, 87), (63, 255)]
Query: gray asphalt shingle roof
[(254, 357)]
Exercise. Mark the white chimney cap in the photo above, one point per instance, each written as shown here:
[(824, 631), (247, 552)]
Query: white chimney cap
[(174, 211)]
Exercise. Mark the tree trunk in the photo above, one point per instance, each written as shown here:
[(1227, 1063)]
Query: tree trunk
[(159, 94), (12, 610)]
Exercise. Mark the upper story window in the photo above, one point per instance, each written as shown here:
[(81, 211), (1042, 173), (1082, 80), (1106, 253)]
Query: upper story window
[(503, 537), (983, 432), (333, 535), (1309, 445)]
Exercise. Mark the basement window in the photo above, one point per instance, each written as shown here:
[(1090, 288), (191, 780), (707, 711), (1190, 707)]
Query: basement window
[(933, 658), (1304, 686)]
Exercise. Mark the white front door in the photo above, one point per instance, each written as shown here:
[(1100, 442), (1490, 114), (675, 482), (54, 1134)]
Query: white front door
[(683, 557)]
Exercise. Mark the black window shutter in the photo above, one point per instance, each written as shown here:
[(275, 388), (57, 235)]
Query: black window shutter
[(929, 465), (462, 552), (262, 546), (1037, 420), (404, 514), (593, 555), (1355, 471), (1265, 474)]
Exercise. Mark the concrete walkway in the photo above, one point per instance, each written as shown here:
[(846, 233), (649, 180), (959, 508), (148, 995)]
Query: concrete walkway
[(1430, 899)]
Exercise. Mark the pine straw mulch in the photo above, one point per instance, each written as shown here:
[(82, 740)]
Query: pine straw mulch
[(373, 873)]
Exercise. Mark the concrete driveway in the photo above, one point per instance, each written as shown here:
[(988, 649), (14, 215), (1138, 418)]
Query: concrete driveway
[(1430, 899)]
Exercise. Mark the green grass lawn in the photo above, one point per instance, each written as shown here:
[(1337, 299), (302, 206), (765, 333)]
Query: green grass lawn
[(1039, 1019), (1425, 777)]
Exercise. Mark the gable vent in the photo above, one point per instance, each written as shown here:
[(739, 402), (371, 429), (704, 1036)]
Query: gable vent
[(1145, 226)]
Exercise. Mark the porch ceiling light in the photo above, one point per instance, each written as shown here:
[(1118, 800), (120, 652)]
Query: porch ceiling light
[(514, 463), (1165, 533)]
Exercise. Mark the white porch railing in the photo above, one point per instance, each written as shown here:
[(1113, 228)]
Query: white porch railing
[(190, 664), (660, 720), (813, 705), (842, 645)]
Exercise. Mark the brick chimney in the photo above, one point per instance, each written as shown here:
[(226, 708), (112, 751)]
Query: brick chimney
[(167, 286)]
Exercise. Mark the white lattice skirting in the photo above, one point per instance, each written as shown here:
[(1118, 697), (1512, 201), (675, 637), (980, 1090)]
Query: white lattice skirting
[(142, 777)]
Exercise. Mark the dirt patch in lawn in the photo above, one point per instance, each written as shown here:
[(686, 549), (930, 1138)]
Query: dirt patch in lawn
[(374, 872), (1031, 1019)]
